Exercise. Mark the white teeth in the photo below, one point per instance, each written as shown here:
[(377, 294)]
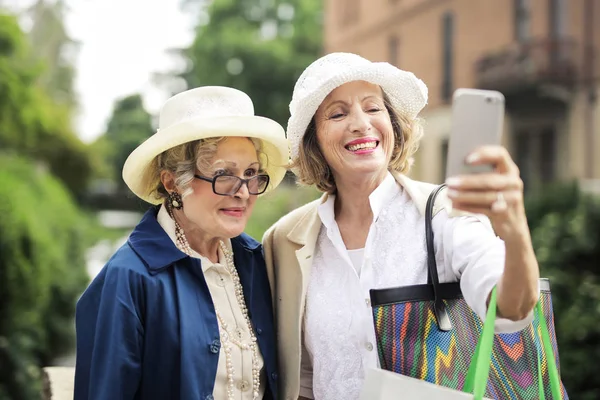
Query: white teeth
[(361, 146)]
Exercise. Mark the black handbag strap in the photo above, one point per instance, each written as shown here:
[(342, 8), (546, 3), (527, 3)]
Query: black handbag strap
[(441, 314)]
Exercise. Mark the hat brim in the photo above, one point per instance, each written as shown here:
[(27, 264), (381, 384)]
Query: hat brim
[(407, 93), (271, 134)]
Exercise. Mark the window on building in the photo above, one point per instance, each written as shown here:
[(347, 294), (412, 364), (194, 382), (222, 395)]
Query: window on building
[(548, 155), (447, 55), (522, 158), (557, 18), (536, 156), (393, 45), (522, 14)]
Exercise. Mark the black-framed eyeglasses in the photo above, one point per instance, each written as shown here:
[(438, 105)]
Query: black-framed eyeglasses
[(228, 185)]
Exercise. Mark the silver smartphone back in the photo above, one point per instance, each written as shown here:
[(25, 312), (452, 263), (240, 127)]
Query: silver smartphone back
[(477, 120)]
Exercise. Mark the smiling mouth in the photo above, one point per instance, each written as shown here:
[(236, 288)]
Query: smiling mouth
[(362, 146)]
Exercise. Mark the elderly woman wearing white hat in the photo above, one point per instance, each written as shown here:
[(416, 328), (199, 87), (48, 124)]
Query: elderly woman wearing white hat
[(183, 310), (353, 131)]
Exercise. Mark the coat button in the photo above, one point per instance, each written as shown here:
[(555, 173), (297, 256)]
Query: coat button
[(244, 386), (369, 346), (274, 376), (258, 331), (215, 346), (239, 332)]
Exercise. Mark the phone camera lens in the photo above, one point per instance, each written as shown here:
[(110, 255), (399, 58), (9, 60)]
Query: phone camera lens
[(488, 99)]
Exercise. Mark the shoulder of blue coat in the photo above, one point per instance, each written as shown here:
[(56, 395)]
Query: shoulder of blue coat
[(247, 241), (126, 259), (124, 271)]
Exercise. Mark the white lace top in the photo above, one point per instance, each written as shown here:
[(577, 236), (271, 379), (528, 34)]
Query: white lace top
[(338, 335)]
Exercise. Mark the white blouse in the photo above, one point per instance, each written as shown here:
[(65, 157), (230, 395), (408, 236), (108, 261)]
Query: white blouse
[(338, 333), (222, 290)]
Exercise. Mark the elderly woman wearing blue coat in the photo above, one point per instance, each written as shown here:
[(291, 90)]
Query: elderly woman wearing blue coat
[(183, 310)]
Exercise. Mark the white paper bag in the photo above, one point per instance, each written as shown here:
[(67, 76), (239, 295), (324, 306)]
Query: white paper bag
[(386, 385)]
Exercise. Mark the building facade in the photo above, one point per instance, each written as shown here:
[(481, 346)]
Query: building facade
[(543, 55)]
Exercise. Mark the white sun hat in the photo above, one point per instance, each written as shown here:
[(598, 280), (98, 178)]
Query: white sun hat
[(200, 113), (407, 93)]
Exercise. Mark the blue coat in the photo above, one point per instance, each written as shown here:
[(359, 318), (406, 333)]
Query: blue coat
[(146, 325)]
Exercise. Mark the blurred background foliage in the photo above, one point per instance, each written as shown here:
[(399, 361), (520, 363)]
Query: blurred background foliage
[(30, 118), (53, 186), (44, 167), (42, 244), (565, 226), (260, 47)]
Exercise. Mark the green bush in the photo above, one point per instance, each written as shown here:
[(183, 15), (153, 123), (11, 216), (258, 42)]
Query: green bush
[(43, 236), (32, 123), (565, 226)]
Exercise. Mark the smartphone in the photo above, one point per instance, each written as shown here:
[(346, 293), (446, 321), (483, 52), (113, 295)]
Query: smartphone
[(477, 120)]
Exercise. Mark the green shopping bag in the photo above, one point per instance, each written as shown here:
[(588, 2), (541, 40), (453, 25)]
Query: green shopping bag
[(479, 369), (381, 384)]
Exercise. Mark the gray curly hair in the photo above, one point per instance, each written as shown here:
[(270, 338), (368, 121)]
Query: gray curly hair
[(184, 160)]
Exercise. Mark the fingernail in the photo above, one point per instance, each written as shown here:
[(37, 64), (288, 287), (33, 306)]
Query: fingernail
[(452, 193), (453, 181), (471, 158)]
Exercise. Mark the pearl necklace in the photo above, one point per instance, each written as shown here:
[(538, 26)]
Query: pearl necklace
[(227, 339)]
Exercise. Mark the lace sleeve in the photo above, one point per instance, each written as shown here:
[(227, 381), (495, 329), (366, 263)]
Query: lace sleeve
[(467, 249), (306, 373)]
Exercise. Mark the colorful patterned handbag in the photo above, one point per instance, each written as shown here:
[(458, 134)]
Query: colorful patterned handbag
[(429, 332)]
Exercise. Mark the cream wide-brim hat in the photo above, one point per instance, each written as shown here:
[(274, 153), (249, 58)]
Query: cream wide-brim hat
[(407, 93), (201, 113)]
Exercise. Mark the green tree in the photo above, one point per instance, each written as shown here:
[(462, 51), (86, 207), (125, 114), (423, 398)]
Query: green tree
[(50, 42), (260, 47), (43, 236), (129, 125), (565, 226), (32, 123)]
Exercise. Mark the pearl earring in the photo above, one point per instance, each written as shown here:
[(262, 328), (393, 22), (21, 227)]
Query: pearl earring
[(175, 200)]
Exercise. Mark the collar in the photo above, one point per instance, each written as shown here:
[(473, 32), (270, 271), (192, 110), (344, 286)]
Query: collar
[(308, 225), (419, 193), (167, 223), (154, 246), (306, 229), (380, 197)]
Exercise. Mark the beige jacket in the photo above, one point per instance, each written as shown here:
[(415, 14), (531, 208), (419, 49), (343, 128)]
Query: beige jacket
[(289, 246)]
